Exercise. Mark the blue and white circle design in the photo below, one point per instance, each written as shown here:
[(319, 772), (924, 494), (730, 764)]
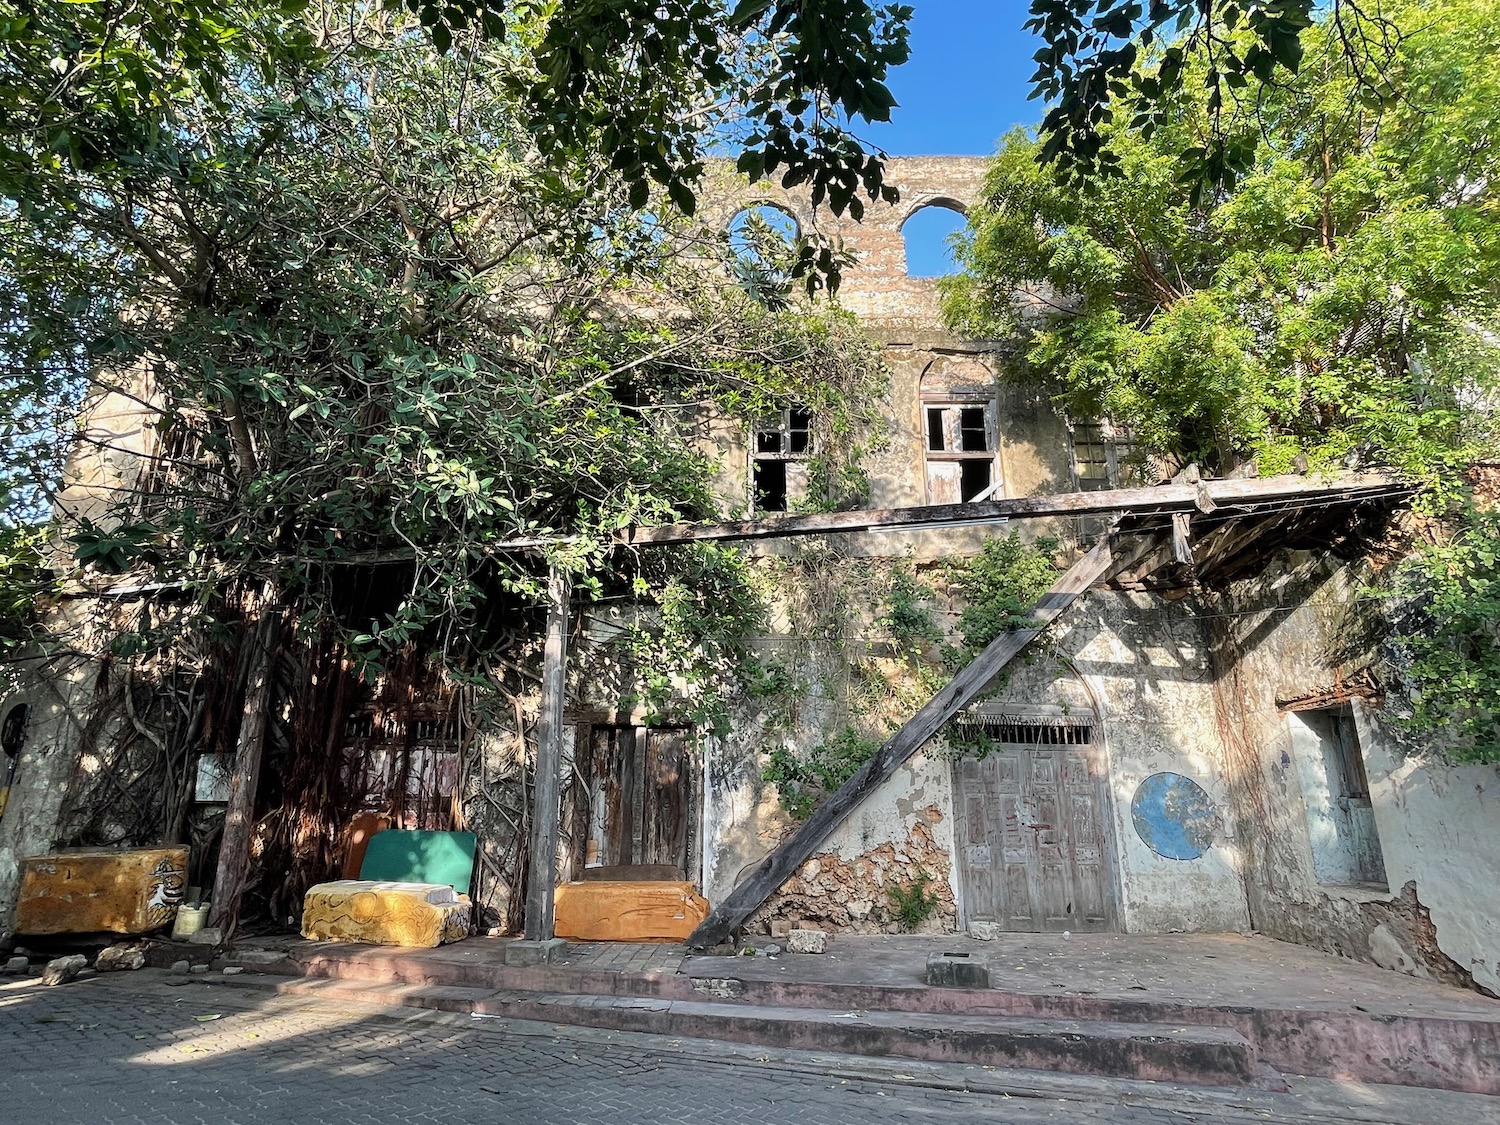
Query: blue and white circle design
[(1174, 816)]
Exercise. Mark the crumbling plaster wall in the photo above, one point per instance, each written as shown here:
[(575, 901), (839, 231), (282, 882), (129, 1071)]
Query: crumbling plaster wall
[(900, 833), (1139, 664), (1295, 634)]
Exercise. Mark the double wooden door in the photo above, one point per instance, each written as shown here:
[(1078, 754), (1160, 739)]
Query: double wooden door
[(642, 798), (1032, 839)]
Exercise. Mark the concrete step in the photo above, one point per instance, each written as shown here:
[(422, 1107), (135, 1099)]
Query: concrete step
[(1207, 1056), (1405, 1048)]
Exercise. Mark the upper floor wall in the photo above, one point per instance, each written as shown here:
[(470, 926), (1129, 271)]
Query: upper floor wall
[(954, 428), (895, 306)]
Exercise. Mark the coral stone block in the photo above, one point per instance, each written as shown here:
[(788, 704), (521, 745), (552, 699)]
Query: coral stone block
[(420, 915), (93, 890), (597, 910)]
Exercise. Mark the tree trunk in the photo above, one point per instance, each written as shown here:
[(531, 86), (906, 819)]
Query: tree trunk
[(239, 817)]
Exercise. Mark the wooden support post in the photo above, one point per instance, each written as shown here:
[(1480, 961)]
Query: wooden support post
[(800, 846), (239, 814), (541, 883)]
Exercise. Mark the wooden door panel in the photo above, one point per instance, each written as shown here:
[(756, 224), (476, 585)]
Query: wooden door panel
[(643, 804), (1040, 812), (668, 799), (1018, 912), (944, 482)]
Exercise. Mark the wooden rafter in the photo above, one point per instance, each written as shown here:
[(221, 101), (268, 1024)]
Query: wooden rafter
[(1165, 499)]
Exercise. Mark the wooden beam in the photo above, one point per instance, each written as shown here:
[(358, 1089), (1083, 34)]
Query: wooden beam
[(244, 782), (546, 814), (1161, 499), (800, 846)]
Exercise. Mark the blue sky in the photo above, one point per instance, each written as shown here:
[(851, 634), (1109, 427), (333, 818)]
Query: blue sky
[(964, 86), (966, 82)]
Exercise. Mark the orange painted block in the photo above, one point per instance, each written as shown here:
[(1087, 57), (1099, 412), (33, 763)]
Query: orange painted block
[(93, 890), (628, 911)]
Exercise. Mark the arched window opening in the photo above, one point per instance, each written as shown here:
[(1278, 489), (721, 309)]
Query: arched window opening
[(929, 235), (762, 249)]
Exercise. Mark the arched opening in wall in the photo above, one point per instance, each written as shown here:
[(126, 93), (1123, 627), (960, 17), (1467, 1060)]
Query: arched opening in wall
[(762, 248), (12, 738), (929, 235)]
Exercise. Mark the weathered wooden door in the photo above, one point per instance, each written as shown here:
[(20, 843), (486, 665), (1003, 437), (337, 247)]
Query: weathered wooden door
[(643, 806), (1032, 838)]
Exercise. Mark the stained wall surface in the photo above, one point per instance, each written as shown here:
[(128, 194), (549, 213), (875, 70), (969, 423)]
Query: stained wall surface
[(1292, 643)]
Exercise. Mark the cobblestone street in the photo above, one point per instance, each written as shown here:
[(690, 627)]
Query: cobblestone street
[(151, 1049)]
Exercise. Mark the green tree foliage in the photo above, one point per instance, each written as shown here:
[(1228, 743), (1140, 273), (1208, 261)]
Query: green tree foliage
[(1334, 304), (1450, 643), (378, 331), (803, 781), (649, 87), (1106, 62), (999, 588)]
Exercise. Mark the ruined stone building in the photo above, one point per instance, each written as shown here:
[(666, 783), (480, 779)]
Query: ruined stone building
[(1180, 755)]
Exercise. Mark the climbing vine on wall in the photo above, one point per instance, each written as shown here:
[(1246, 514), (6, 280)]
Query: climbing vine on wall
[(1448, 642), (997, 589), (802, 781)]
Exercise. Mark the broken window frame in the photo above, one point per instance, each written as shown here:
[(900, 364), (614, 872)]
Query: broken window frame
[(1336, 793), (783, 440), (1109, 447), (953, 403)]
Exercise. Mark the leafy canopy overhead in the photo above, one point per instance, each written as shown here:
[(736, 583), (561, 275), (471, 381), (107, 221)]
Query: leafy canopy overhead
[(379, 340), (650, 85), (1338, 302), (1104, 63)]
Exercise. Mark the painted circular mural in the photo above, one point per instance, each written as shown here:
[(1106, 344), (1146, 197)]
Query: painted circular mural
[(1174, 816)]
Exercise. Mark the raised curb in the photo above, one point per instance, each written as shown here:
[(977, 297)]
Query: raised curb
[(1439, 1052), (1187, 1055)]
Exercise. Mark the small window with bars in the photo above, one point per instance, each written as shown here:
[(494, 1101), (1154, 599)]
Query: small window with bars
[(1018, 731)]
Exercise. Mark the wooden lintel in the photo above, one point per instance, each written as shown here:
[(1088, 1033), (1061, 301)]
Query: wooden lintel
[(802, 844), (1162, 499)]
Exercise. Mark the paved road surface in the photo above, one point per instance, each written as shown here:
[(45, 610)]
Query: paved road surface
[(148, 1048)]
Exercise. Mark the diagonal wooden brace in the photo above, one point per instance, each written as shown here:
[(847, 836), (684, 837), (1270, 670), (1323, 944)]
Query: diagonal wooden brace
[(801, 845)]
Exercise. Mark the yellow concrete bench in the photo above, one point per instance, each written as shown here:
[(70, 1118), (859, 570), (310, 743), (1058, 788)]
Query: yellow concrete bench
[(88, 890), (421, 915), (628, 910)]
